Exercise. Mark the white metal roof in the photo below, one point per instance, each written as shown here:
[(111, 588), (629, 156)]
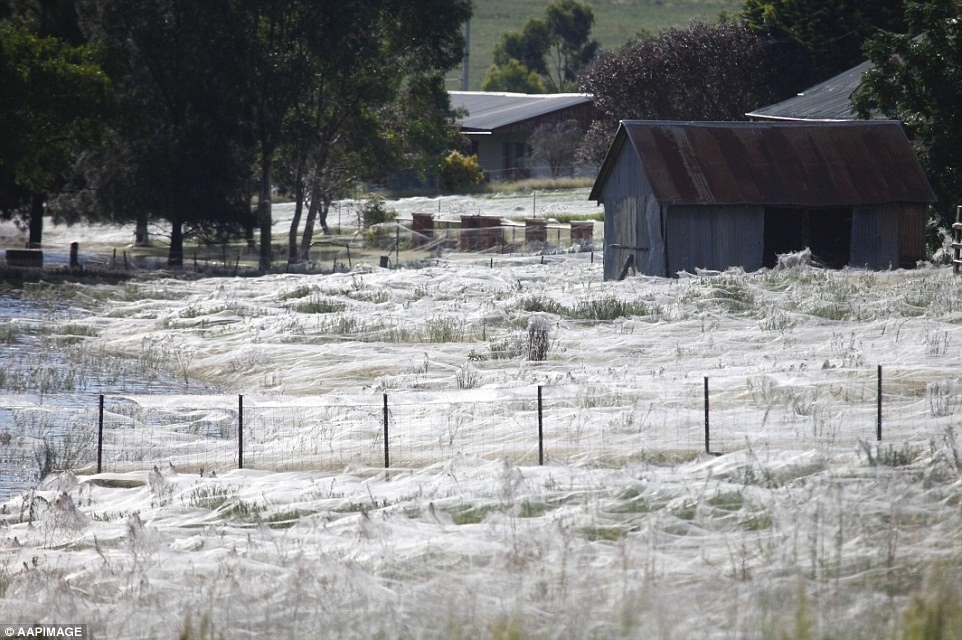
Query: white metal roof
[(487, 111)]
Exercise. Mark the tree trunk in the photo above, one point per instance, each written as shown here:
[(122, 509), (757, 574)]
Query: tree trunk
[(298, 208), (175, 258), (264, 220), (141, 233), (292, 234), (35, 233), (322, 217), (308, 238), (249, 234)]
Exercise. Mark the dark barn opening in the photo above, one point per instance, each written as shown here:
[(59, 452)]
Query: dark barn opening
[(827, 232), (831, 236), (785, 231)]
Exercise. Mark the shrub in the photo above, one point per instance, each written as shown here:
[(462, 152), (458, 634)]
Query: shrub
[(539, 339), (460, 173), (374, 211)]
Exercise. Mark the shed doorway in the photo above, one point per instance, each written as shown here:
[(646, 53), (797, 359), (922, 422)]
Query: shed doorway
[(827, 232)]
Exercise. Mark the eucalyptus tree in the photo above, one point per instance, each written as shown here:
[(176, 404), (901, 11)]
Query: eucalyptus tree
[(178, 149), (51, 109), (334, 68), (558, 47), (917, 78), (811, 40)]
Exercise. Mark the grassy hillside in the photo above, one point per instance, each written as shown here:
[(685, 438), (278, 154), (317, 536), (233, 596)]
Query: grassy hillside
[(616, 22)]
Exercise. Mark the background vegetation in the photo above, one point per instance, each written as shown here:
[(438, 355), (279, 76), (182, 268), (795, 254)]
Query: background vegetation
[(617, 22)]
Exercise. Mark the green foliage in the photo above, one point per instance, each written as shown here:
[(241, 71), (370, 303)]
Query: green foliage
[(890, 455), (539, 339), (561, 37), (54, 97), (606, 308), (460, 174), (178, 147), (320, 304), (615, 23), (527, 46), (225, 500), (513, 77), (936, 613), (918, 80), (375, 211), (443, 329), (541, 304), (811, 40), (507, 348)]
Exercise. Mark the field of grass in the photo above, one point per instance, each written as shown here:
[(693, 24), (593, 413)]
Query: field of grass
[(616, 22), (804, 527)]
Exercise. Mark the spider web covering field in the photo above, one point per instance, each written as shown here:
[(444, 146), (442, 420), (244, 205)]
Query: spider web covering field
[(804, 527), (575, 424)]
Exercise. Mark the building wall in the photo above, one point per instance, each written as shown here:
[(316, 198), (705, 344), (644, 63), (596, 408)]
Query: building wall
[(875, 237), (912, 246), (491, 155), (497, 151), (714, 238), (633, 220), (889, 236)]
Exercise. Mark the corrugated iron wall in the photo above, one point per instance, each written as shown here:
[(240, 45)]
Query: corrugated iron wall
[(715, 238), (912, 245), (875, 237), (623, 198)]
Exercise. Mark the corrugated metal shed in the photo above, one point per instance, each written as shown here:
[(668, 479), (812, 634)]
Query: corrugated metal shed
[(827, 101), (773, 164), (489, 111)]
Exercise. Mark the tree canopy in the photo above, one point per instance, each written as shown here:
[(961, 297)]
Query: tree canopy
[(203, 99), (54, 95), (557, 48), (357, 57), (514, 77), (918, 80), (701, 72), (812, 40)]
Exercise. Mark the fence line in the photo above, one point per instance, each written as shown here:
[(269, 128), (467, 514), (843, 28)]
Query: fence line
[(593, 424)]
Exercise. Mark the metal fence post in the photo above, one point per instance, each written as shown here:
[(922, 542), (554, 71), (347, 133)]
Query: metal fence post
[(240, 431), (540, 429), (387, 454), (878, 420), (707, 428), (100, 437)]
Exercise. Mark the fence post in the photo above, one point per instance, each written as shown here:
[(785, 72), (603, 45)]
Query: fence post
[(540, 430), (387, 450), (240, 431), (878, 420), (100, 437), (707, 429)]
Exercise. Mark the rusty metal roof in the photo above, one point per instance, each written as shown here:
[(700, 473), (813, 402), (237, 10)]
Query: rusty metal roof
[(797, 164)]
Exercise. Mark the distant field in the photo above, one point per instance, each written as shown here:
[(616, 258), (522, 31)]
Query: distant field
[(616, 22)]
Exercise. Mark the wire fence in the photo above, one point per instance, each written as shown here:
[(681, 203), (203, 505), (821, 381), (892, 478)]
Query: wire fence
[(528, 425)]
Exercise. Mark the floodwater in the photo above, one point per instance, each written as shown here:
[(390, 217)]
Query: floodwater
[(49, 390)]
